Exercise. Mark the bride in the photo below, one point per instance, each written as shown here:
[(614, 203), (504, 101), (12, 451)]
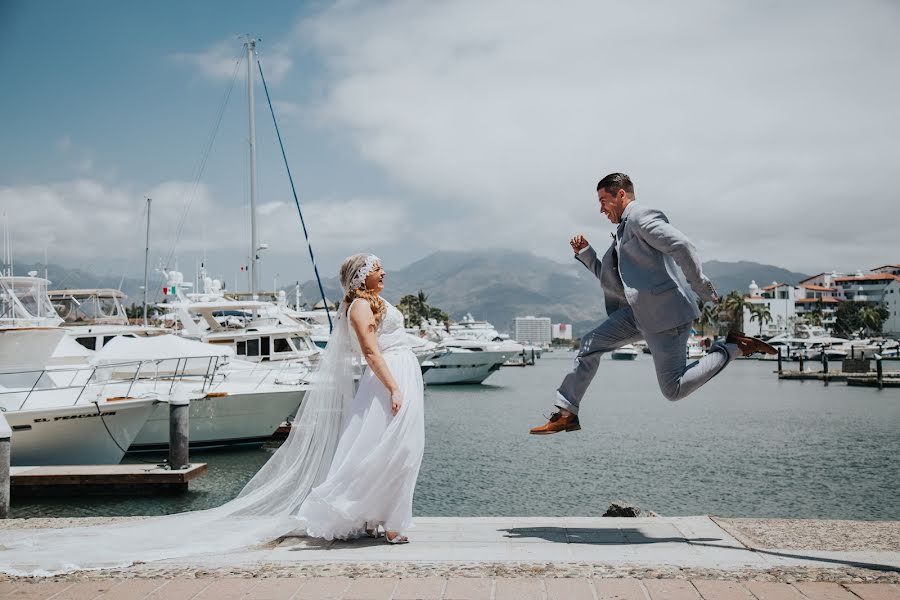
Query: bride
[(348, 468)]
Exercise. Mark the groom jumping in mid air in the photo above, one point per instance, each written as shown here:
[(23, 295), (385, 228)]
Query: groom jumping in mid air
[(646, 299)]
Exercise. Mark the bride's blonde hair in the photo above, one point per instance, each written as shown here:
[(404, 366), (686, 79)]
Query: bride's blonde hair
[(349, 270)]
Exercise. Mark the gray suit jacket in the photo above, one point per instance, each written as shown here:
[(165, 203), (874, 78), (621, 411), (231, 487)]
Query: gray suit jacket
[(643, 274)]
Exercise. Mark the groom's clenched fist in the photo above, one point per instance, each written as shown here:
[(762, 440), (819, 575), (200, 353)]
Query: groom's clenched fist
[(578, 243)]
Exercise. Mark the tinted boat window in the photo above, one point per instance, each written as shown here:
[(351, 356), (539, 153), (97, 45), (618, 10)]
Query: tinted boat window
[(88, 342)]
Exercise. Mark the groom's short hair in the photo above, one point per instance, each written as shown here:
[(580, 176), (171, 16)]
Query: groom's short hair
[(614, 182)]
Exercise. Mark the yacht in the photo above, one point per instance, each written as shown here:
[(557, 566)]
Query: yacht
[(29, 327), (63, 416), (626, 352), (257, 331), (469, 359), (233, 402), (72, 415), (695, 349)]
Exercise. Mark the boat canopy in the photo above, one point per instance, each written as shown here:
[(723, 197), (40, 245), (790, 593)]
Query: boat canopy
[(91, 306), (24, 303), (126, 349)]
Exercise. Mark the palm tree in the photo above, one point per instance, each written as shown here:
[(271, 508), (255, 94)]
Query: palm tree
[(814, 317), (870, 318), (707, 318), (761, 313), (733, 308)]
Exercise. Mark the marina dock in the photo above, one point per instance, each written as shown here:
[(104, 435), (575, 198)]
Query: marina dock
[(102, 479)]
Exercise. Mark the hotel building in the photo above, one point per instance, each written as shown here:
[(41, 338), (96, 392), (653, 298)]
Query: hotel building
[(533, 330)]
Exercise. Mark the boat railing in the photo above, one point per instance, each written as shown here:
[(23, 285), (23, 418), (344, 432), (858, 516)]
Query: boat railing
[(42, 382), (271, 370)]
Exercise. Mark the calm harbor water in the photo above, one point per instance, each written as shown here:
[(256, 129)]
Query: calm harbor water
[(744, 445)]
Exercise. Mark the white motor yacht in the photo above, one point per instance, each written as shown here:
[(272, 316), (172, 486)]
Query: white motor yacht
[(626, 352), (233, 402), (64, 416), (470, 359), (29, 327), (69, 416), (694, 349), (257, 331)]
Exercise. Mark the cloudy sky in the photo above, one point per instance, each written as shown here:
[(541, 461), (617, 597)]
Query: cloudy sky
[(767, 131)]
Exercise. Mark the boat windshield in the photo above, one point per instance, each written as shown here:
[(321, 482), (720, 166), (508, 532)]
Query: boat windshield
[(85, 309), (24, 302)]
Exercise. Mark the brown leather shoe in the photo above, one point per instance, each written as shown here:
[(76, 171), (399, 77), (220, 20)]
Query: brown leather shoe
[(557, 423), (748, 345)]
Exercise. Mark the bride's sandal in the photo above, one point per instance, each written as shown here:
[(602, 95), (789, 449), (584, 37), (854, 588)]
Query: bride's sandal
[(372, 532), (397, 539)]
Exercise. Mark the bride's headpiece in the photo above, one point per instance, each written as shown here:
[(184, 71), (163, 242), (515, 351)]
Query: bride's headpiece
[(359, 280)]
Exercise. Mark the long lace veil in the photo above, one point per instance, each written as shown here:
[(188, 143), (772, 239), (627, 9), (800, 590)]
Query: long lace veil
[(262, 512)]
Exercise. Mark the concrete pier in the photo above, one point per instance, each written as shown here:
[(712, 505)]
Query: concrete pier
[(524, 558)]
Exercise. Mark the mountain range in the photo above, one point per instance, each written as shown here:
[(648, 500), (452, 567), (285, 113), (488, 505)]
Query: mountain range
[(500, 285), (495, 285)]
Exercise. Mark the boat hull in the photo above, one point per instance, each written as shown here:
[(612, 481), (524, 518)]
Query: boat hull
[(76, 435), (218, 421), (463, 367)]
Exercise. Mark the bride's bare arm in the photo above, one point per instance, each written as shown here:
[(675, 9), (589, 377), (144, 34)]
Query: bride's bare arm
[(363, 321)]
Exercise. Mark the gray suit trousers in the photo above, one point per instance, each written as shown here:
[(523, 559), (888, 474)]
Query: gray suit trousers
[(676, 378)]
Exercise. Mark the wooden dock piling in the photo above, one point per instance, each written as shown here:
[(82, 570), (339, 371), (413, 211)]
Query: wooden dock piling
[(179, 432)]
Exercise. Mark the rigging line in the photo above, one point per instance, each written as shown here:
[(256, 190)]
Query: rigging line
[(204, 158), (116, 442), (296, 199)]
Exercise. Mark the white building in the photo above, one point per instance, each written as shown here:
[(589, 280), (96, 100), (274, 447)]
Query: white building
[(824, 297), (533, 330), (562, 331), (888, 270), (780, 299), (891, 326), (865, 288)]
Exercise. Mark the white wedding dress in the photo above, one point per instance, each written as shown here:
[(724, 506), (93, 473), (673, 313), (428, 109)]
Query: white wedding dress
[(376, 464), (347, 460)]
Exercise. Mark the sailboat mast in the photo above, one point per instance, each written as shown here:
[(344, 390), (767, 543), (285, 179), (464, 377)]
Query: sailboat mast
[(146, 260), (254, 236)]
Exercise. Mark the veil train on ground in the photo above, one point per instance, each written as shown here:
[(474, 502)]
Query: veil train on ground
[(263, 511)]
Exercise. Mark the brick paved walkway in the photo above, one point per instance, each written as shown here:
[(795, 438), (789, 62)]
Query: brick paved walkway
[(435, 588)]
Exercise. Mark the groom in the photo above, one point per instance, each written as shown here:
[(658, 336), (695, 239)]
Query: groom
[(646, 299)]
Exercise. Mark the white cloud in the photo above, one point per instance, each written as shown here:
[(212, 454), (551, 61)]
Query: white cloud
[(86, 222), (218, 61), (766, 135)]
